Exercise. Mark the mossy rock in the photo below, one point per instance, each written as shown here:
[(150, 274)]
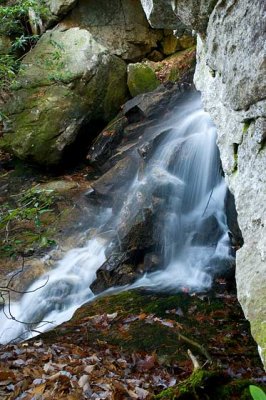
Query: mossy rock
[(170, 45), (66, 80), (205, 385), (187, 41), (141, 79)]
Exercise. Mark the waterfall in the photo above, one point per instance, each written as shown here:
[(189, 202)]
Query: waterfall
[(183, 174)]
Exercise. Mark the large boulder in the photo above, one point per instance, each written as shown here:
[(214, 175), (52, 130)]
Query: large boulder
[(230, 73), (60, 7), (160, 14), (120, 26), (179, 14), (66, 80)]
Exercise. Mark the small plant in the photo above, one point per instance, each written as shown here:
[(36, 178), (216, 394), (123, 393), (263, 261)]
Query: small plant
[(24, 42), (257, 393), (8, 69)]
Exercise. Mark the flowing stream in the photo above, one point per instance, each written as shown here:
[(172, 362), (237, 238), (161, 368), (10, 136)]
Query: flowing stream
[(184, 173)]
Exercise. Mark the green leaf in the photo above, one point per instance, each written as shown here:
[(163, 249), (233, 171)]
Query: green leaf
[(257, 393), (44, 241)]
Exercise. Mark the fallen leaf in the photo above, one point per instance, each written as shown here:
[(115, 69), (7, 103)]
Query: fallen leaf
[(39, 389)]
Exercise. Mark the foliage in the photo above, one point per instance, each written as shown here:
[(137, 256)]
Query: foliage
[(23, 42), (30, 205), (15, 23), (257, 393), (8, 69), (15, 17)]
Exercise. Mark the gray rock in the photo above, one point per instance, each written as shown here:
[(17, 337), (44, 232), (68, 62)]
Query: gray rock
[(178, 14), (194, 13), (60, 7), (241, 60), (160, 14), (230, 74), (120, 26), (208, 232)]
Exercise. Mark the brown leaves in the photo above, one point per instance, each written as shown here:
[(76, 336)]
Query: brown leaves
[(72, 372)]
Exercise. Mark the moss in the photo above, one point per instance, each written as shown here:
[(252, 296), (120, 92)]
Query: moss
[(246, 125), (187, 42), (258, 330), (167, 394), (206, 385), (141, 79), (170, 45)]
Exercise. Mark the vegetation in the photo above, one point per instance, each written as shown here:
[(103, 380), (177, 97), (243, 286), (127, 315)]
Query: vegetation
[(21, 23), (24, 215), (15, 18), (257, 393)]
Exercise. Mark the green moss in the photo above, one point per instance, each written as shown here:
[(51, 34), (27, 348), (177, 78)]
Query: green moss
[(246, 125), (258, 330), (170, 45), (167, 394), (141, 79), (206, 385)]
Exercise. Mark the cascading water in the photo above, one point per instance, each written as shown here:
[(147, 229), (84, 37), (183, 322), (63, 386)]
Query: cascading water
[(183, 174)]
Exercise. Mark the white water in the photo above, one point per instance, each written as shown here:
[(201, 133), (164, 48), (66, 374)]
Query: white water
[(184, 172)]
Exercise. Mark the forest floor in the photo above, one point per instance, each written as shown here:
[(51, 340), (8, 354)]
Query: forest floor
[(128, 345), (134, 345)]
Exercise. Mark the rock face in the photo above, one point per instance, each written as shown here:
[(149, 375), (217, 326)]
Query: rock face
[(230, 73), (67, 79)]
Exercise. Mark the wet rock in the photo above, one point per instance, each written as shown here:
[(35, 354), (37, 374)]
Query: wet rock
[(105, 143), (208, 232), (164, 184), (137, 232), (231, 213), (118, 177), (148, 105), (152, 261), (120, 275)]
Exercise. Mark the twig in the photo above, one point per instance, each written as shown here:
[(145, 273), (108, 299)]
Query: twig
[(197, 345), (194, 360), (208, 202)]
